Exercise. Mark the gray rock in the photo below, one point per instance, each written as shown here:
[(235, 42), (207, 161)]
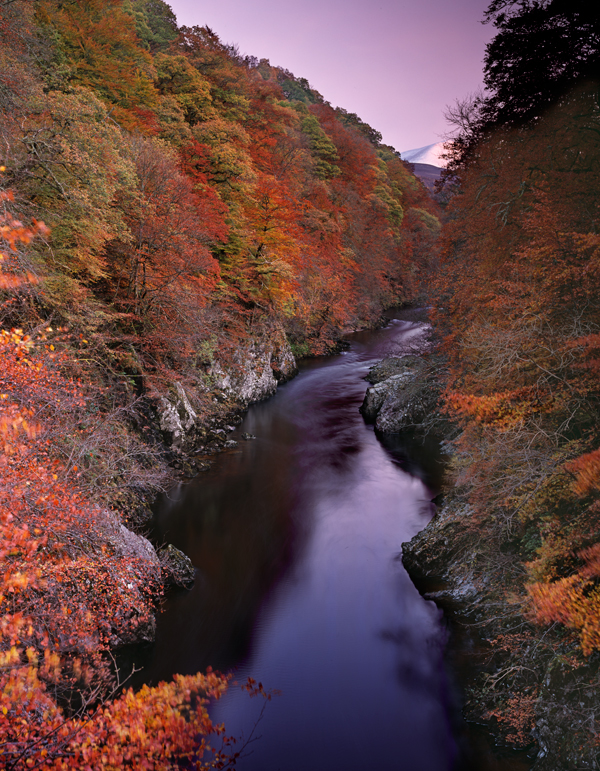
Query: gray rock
[(393, 365), (404, 407), (177, 568), (177, 417), (125, 543), (445, 550), (402, 399), (378, 394), (131, 623), (257, 369)]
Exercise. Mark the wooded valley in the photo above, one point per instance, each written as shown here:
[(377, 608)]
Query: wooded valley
[(172, 210)]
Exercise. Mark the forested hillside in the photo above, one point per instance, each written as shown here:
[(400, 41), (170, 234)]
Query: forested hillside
[(518, 303), (174, 216)]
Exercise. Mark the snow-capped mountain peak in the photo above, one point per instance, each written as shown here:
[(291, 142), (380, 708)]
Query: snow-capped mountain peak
[(429, 154)]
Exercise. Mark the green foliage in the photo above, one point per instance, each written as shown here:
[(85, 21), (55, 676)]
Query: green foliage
[(322, 148), (155, 23), (176, 76), (428, 221), (298, 89), (73, 164), (352, 120), (99, 42)]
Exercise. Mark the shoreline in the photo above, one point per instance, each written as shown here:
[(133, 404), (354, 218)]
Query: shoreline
[(529, 688)]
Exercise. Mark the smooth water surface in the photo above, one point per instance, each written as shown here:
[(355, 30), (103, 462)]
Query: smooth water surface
[(297, 537)]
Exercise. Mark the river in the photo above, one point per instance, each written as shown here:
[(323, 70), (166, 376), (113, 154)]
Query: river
[(296, 534)]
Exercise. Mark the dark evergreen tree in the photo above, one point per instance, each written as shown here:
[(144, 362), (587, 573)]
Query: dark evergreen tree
[(542, 50)]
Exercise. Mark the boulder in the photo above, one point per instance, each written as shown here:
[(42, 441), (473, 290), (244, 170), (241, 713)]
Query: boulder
[(393, 365), (131, 623), (177, 568), (405, 392), (378, 394)]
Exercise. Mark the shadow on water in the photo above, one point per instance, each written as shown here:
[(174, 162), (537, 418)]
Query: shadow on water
[(234, 523), (419, 455), (296, 536)]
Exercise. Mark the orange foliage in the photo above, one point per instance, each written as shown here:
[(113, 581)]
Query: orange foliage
[(573, 601), (517, 718), (99, 40), (503, 410), (586, 469), (12, 233)]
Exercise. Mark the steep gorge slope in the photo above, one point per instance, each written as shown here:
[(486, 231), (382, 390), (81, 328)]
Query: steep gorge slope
[(179, 222)]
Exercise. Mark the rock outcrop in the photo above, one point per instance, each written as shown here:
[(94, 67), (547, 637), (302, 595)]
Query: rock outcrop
[(447, 552), (195, 424), (403, 394), (177, 417), (131, 624), (527, 688), (253, 374), (256, 369)]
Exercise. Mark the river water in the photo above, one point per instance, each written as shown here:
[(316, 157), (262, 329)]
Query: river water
[(297, 535)]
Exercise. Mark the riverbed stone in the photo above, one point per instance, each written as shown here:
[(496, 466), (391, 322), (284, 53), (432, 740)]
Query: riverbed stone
[(177, 567), (393, 365)]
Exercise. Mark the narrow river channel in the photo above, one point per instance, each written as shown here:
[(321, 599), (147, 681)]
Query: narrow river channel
[(296, 534)]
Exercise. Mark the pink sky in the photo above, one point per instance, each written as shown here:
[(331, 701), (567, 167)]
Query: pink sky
[(396, 63)]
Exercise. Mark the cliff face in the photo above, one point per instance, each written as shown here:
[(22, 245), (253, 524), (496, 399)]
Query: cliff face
[(257, 368), (251, 375), (194, 424)]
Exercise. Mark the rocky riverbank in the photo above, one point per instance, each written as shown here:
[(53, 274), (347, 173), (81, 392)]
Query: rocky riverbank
[(187, 425), (530, 686)]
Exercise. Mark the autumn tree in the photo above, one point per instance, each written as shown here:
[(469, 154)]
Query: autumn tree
[(99, 42)]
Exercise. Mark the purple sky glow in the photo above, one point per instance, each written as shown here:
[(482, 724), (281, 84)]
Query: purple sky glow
[(396, 63)]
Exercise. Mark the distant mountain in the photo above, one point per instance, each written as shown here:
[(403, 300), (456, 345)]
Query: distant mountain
[(428, 174), (427, 162), (430, 154)]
